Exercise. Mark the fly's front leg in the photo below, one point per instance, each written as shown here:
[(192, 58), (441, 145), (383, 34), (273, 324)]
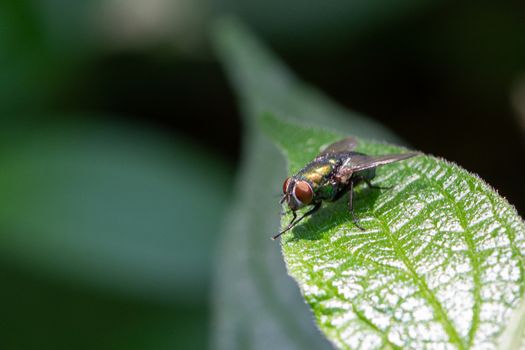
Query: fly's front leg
[(290, 225), (293, 222), (351, 205), (310, 212)]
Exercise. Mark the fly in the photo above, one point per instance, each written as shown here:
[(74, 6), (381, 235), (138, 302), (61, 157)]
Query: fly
[(334, 172)]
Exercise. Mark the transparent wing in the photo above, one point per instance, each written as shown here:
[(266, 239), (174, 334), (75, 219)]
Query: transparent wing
[(344, 145), (360, 162)]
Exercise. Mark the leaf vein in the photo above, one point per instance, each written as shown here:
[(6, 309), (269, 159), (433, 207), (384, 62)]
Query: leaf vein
[(425, 290)]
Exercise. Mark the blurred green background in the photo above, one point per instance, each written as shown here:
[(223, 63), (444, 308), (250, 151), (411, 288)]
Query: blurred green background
[(120, 137)]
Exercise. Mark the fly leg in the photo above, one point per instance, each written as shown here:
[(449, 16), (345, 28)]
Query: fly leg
[(351, 206), (290, 225), (294, 222)]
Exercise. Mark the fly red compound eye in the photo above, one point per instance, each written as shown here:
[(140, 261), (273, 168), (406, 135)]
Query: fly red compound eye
[(303, 192), (285, 185)]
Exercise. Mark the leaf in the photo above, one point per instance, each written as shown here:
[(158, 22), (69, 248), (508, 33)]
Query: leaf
[(256, 304), (112, 207), (439, 265)]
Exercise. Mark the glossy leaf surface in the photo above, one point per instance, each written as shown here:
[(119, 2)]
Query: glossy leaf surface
[(439, 264)]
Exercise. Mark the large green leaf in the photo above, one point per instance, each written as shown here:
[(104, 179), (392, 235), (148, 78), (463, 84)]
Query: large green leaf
[(111, 206), (439, 265), (257, 305)]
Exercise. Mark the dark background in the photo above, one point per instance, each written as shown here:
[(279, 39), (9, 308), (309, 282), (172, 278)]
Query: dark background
[(448, 78)]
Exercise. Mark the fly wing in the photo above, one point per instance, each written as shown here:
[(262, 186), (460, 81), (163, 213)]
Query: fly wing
[(344, 145), (360, 162)]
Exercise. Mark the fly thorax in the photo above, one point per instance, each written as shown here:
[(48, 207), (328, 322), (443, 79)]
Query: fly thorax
[(327, 191)]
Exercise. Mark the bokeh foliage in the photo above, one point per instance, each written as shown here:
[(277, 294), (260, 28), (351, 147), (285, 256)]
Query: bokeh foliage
[(107, 225)]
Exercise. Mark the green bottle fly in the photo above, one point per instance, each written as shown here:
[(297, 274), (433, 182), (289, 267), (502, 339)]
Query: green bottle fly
[(334, 172)]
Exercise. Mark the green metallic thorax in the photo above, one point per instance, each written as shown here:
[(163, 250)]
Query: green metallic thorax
[(322, 174), (319, 174)]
